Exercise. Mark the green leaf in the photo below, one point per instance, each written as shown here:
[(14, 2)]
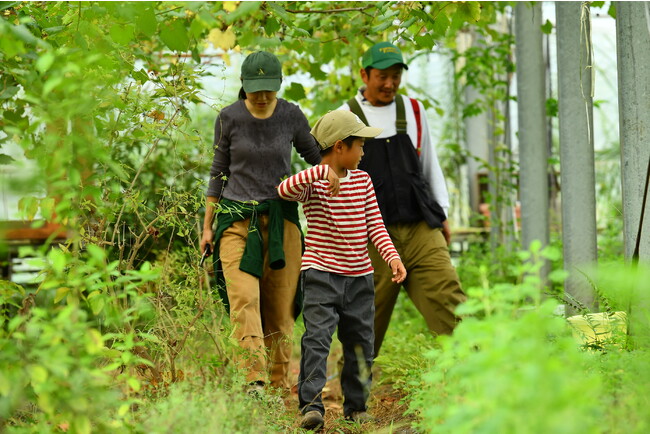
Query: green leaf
[(441, 24), (381, 27), (47, 206), (7, 5), (612, 10), (58, 260), (6, 159), (96, 252), (175, 36), (547, 27), (121, 34), (44, 62), (37, 374), (29, 206), (471, 11), (51, 83), (425, 41), (60, 294), (271, 26), (316, 72), (145, 22), (23, 33), (97, 304), (597, 4), (9, 92), (244, 9), (81, 424), (295, 92), (280, 12), (140, 76)]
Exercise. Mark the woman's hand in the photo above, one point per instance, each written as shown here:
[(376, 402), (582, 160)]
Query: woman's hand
[(206, 240), (333, 179), (399, 272)]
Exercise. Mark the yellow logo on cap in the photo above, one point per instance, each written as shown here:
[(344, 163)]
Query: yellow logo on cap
[(388, 50), (260, 71)]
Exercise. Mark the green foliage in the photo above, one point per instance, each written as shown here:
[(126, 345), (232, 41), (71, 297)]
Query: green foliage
[(407, 339), (509, 367), (56, 361), (106, 99), (212, 408)]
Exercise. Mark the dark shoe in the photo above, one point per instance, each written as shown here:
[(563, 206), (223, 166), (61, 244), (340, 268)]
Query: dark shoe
[(360, 417), (312, 420), (256, 389)]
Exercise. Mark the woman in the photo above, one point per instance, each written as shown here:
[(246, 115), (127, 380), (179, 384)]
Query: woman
[(258, 238)]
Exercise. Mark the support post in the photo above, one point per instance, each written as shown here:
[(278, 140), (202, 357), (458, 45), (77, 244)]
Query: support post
[(575, 84)]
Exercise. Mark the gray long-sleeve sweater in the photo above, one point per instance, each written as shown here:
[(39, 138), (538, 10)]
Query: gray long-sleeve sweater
[(252, 156)]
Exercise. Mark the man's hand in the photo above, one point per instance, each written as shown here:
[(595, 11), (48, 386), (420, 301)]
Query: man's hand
[(446, 231), (399, 272), (333, 178)]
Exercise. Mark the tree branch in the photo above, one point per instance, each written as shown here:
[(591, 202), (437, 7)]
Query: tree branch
[(327, 11)]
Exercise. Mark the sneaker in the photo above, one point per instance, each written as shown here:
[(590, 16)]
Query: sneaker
[(360, 417), (256, 389), (312, 420)]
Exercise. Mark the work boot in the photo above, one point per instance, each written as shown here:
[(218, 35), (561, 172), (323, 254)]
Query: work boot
[(360, 417), (312, 420)]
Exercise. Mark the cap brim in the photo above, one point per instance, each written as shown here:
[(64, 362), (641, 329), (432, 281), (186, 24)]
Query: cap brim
[(387, 63), (262, 84), (368, 132)]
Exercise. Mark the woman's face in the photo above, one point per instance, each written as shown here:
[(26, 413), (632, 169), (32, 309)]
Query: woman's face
[(261, 99)]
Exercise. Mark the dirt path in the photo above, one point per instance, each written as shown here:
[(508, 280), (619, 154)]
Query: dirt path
[(384, 404)]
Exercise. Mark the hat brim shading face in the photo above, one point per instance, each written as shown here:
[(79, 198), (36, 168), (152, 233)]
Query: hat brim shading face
[(367, 132), (262, 84)]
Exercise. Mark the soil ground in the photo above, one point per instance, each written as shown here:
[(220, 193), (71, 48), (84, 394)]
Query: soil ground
[(385, 404)]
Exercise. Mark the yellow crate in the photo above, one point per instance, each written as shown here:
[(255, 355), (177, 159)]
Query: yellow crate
[(598, 328)]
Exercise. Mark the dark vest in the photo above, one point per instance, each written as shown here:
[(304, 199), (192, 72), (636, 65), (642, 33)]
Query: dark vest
[(403, 193)]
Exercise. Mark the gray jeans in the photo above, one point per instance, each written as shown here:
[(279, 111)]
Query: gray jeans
[(331, 300)]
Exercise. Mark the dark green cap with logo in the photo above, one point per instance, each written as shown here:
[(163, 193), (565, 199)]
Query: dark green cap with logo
[(261, 71), (383, 55)]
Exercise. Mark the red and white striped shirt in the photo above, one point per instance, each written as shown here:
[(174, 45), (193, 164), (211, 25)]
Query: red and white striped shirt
[(338, 227)]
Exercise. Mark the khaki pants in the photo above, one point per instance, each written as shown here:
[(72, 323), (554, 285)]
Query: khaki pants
[(262, 310), (431, 283)]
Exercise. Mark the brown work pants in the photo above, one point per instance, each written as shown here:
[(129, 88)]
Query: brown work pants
[(431, 283), (262, 310)]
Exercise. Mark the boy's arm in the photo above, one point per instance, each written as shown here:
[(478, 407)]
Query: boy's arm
[(298, 186), (376, 229)]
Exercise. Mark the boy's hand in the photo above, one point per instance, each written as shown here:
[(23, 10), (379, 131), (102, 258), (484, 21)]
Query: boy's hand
[(333, 178), (399, 272)]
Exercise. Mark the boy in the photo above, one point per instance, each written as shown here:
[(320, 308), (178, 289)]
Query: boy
[(342, 213)]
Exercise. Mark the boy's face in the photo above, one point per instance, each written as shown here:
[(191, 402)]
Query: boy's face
[(351, 155)]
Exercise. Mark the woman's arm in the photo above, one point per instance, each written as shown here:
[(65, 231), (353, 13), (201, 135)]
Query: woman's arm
[(220, 169), (304, 142), (208, 234)]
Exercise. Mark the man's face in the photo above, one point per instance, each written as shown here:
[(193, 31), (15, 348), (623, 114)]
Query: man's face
[(382, 84)]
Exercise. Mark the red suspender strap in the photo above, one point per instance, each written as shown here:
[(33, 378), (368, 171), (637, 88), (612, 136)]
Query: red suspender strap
[(416, 111)]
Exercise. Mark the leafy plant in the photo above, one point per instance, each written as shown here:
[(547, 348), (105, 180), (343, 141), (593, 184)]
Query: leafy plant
[(510, 366)]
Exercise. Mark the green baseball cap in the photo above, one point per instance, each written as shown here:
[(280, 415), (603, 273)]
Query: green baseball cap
[(261, 71), (383, 55)]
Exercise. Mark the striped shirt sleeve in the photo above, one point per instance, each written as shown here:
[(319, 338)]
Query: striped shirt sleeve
[(299, 186)]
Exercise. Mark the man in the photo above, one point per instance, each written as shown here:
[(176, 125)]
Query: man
[(412, 196)]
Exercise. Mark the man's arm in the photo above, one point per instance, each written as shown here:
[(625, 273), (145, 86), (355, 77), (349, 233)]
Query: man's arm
[(433, 173), (431, 166)]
